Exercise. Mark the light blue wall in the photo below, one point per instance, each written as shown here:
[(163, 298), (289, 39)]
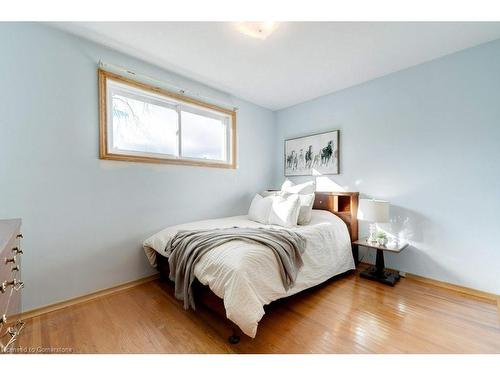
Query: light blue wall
[(84, 219), (428, 140)]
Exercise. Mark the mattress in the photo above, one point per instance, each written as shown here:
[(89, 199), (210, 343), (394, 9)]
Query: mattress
[(246, 276)]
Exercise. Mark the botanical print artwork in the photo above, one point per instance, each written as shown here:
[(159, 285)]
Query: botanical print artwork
[(312, 155)]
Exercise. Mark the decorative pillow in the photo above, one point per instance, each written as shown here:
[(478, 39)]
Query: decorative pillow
[(285, 212), (305, 188), (287, 184), (260, 209), (306, 207)]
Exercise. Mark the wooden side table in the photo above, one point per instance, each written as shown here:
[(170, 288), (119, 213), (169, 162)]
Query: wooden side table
[(378, 272)]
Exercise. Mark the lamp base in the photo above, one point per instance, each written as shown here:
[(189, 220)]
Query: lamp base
[(373, 233)]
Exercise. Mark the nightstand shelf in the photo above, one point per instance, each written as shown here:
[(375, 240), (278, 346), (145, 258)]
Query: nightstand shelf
[(378, 272)]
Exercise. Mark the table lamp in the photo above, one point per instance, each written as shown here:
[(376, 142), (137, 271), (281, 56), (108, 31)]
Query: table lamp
[(374, 211)]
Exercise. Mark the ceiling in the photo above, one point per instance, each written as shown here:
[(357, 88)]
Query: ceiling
[(298, 62)]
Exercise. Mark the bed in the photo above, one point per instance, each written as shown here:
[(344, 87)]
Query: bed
[(238, 279)]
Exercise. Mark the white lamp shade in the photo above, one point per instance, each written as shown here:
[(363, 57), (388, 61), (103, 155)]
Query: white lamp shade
[(373, 210)]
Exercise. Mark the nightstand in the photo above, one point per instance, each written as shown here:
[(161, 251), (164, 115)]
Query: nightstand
[(378, 272)]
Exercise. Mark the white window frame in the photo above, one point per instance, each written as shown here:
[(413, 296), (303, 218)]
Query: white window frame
[(110, 83)]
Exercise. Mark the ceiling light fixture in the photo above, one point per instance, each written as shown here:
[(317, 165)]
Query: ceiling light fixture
[(259, 30)]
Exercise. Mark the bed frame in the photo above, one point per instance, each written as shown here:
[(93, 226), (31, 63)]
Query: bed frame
[(342, 204)]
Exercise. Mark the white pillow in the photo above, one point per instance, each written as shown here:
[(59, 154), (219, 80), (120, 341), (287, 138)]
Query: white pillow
[(285, 212), (306, 207), (260, 209), (305, 188), (287, 184)]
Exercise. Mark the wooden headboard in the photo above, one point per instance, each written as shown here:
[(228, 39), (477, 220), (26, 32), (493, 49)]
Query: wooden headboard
[(342, 204)]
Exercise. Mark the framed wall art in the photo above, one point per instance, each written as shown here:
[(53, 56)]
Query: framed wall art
[(314, 154)]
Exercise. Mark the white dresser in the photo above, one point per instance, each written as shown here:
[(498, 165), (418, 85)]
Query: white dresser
[(10, 284)]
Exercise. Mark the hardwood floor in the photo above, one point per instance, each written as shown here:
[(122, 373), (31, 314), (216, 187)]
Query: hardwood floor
[(347, 315)]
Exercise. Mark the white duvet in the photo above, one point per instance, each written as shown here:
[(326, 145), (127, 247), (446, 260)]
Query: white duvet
[(246, 276)]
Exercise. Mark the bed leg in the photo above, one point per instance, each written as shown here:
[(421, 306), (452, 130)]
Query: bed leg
[(233, 339)]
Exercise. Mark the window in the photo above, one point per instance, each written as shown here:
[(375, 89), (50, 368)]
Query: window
[(142, 123)]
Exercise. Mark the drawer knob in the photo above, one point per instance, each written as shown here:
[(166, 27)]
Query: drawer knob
[(17, 250), (10, 260), (18, 285), (20, 235), (3, 287), (15, 268), (13, 332)]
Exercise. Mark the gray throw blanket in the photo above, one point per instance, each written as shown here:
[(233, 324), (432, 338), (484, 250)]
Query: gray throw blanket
[(188, 246)]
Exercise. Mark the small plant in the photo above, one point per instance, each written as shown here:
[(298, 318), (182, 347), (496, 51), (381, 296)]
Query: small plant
[(381, 238)]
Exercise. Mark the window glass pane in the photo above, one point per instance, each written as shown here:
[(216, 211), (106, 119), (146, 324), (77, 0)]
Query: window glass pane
[(203, 137), (144, 127)]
